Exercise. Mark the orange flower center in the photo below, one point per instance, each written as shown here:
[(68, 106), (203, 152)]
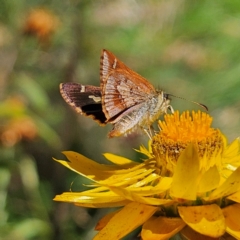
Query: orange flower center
[(177, 131)]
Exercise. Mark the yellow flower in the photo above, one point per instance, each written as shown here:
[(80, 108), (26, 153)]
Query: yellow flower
[(189, 184)]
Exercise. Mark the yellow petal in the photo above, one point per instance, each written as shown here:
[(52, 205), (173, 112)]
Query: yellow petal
[(95, 204), (146, 180), (137, 198), (225, 173), (185, 177), (235, 197), (209, 180), (190, 234), (145, 151), (162, 186), (161, 228), (126, 220), (130, 177), (207, 220), (141, 187), (85, 166), (232, 217), (231, 154), (153, 201), (93, 200), (103, 221), (118, 159), (230, 186)]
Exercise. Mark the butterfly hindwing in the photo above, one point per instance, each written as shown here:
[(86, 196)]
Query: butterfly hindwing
[(85, 99)]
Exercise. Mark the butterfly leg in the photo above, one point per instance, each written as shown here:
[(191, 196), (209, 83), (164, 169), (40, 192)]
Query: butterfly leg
[(171, 108), (149, 134), (149, 131)]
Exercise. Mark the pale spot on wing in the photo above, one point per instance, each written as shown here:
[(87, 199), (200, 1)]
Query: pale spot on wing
[(83, 89), (115, 63), (95, 99)]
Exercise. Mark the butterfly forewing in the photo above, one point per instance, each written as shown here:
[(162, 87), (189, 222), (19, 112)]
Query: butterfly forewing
[(122, 88)]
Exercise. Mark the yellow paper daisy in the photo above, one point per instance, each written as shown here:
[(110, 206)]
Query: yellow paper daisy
[(189, 184)]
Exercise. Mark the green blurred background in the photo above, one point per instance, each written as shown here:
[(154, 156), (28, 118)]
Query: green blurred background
[(188, 48)]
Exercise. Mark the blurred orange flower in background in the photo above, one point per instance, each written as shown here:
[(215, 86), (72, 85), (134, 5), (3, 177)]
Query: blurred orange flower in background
[(16, 123), (41, 23), (18, 129)]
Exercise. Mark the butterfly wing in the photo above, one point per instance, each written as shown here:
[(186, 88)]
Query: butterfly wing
[(121, 87), (85, 99)]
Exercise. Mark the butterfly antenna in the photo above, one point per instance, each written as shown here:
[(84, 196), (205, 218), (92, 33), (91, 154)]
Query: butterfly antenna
[(197, 103)]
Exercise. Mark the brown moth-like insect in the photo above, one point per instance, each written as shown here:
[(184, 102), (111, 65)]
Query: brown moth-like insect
[(124, 98)]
